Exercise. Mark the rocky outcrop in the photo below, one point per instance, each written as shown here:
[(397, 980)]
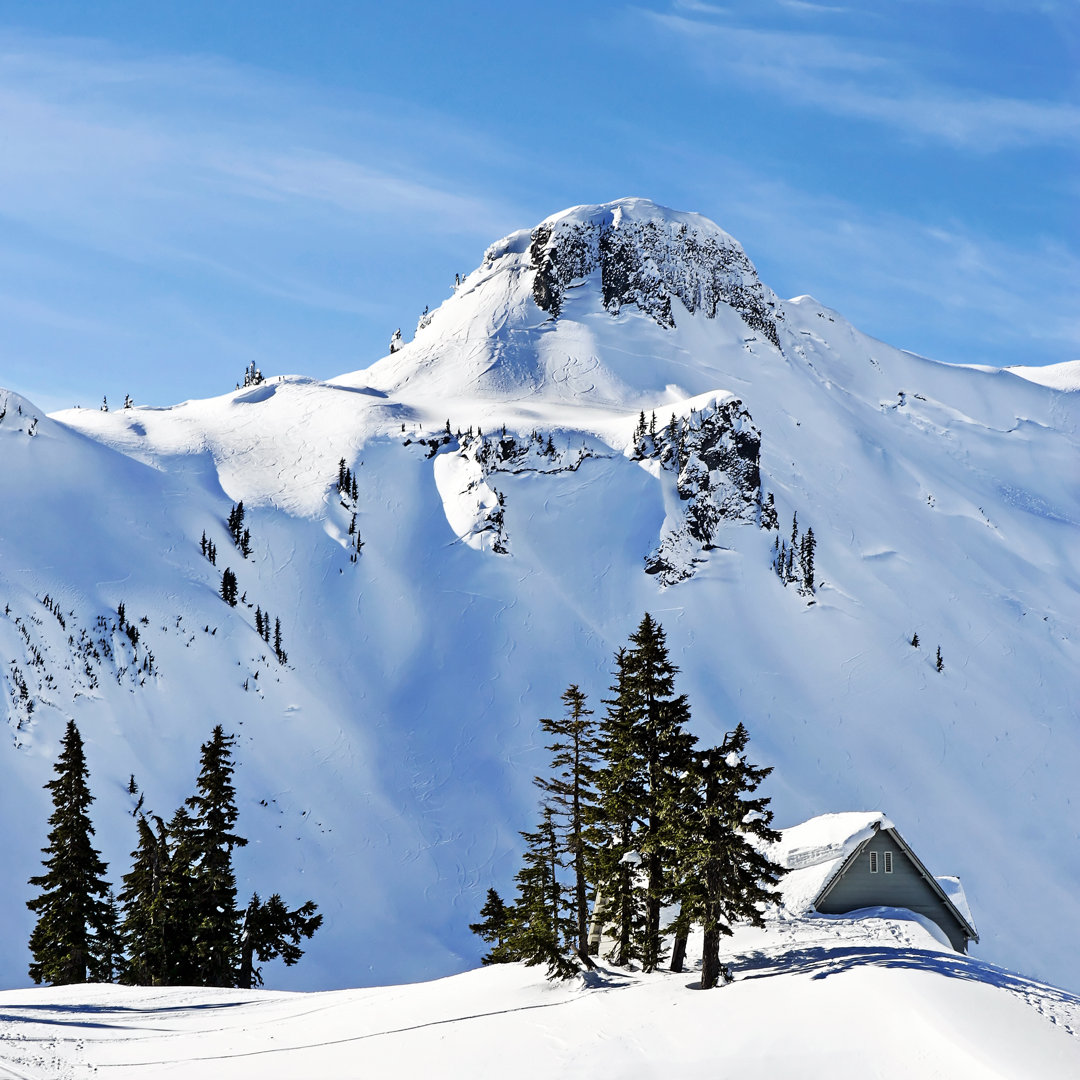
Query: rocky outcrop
[(644, 263), (714, 453)]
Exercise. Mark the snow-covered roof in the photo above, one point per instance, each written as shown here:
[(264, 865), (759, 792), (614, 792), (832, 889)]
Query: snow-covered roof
[(952, 888), (815, 850)]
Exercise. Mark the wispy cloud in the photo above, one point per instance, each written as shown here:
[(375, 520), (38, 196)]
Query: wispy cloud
[(804, 7), (97, 151), (865, 80), (947, 291)]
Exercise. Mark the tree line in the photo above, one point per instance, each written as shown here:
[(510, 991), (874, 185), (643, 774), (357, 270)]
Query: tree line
[(175, 921), (634, 818)]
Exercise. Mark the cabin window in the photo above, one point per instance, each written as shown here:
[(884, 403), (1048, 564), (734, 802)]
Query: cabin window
[(888, 861), (873, 862)]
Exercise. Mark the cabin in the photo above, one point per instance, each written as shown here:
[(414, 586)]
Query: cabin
[(841, 863)]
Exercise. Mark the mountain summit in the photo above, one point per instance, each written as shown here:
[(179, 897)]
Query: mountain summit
[(554, 304)]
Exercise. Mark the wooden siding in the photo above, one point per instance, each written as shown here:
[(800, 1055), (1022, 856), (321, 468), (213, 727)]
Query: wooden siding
[(905, 887)]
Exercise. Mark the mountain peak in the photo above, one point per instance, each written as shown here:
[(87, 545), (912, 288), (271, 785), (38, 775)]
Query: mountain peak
[(646, 255), (552, 297)]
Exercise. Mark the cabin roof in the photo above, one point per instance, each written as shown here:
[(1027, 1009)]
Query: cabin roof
[(815, 852)]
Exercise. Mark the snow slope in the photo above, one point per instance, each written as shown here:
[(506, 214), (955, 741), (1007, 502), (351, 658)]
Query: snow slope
[(386, 769), (828, 999)]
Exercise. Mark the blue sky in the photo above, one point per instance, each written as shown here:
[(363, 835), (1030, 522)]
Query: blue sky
[(185, 188)]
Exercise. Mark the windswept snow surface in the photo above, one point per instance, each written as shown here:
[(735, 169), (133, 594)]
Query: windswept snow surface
[(832, 998), (386, 769)]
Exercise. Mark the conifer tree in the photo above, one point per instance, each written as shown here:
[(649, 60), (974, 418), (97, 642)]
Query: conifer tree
[(70, 940), (144, 903), (807, 547), (648, 754), (271, 930), (213, 838), (571, 790), (236, 522), (495, 927), (724, 877), (542, 930), (939, 662), (182, 901), (109, 963), (619, 901), (229, 587)]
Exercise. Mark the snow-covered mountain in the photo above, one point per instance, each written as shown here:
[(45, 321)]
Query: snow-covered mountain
[(386, 767)]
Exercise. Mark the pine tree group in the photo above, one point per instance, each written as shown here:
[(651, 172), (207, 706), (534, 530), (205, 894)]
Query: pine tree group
[(633, 819), (178, 922), (793, 561)]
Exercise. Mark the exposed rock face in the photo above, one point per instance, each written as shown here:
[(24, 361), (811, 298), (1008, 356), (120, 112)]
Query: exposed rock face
[(714, 454), (646, 263), (474, 507)]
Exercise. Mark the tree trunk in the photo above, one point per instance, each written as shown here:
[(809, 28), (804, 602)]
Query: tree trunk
[(622, 957), (596, 926), (682, 932), (710, 958)]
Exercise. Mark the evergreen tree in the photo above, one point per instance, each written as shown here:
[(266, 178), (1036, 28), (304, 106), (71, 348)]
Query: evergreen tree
[(271, 930), (70, 940), (648, 753), (939, 663), (229, 587), (213, 838), (572, 793), (181, 901), (495, 927), (724, 877), (915, 640), (109, 963), (144, 903), (542, 929), (236, 522), (807, 547), (618, 900)]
